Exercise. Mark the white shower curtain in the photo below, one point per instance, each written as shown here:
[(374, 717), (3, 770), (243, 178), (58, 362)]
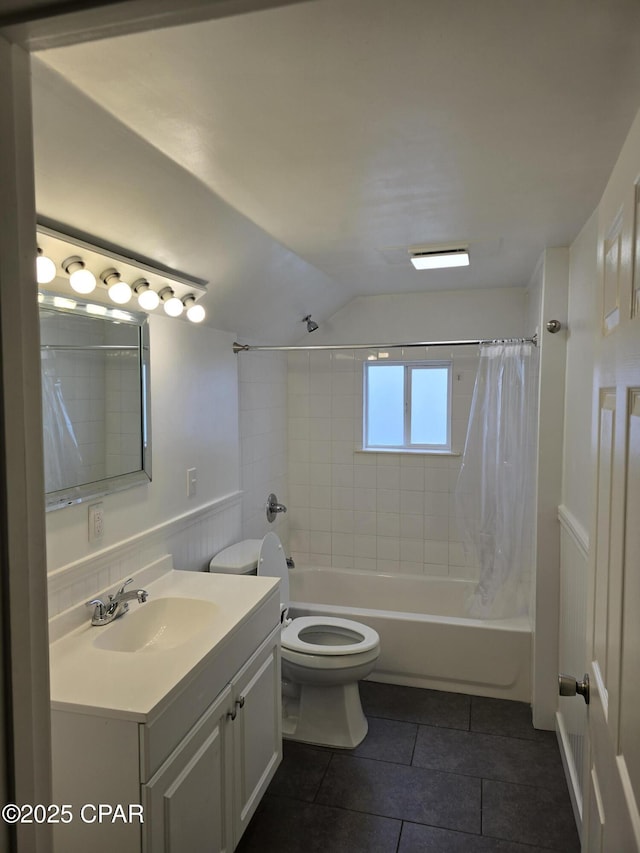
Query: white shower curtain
[(62, 457), (495, 492)]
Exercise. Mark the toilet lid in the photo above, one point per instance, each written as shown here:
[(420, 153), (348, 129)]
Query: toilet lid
[(328, 635), (272, 563)]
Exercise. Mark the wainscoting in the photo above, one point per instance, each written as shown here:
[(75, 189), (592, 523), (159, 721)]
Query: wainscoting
[(192, 538), (571, 717)]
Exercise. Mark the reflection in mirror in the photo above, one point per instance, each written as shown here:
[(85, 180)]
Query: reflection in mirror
[(95, 399)]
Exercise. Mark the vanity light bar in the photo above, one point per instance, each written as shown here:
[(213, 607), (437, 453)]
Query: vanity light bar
[(73, 264)]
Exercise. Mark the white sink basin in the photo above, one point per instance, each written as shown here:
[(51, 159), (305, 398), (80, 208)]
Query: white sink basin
[(158, 625)]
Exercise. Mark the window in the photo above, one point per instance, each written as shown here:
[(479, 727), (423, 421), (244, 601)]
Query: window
[(407, 406)]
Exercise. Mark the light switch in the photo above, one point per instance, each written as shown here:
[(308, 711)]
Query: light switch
[(192, 481)]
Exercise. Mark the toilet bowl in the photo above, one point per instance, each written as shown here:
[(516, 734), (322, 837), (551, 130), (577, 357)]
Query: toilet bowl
[(323, 657)]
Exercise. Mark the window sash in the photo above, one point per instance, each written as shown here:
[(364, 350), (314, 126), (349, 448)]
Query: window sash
[(409, 368)]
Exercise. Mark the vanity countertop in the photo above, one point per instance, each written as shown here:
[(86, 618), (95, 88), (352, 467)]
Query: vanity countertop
[(88, 678)]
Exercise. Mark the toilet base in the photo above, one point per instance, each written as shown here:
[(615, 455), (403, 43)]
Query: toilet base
[(323, 715)]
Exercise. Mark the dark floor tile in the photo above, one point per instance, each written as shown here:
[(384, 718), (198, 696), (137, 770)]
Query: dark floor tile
[(490, 757), (281, 824), (301, 771), (529, 815), (388, 740), (408, 793), (415, 705), (416, 838), (504, 717)]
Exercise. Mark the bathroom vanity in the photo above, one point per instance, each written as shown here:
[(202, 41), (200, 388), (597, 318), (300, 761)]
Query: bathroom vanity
[(177, 709)]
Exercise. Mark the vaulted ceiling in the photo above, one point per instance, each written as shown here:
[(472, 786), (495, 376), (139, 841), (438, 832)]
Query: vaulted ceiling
[(292, 156)]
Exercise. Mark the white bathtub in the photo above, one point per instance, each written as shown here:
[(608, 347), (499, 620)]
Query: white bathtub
[(425, 638)]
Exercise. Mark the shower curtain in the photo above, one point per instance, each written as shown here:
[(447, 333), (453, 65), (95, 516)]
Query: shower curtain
[(62, 457), (495, 492)]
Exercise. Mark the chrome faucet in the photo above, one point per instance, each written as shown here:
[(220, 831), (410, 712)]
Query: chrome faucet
[(273, 507), (117, 605)]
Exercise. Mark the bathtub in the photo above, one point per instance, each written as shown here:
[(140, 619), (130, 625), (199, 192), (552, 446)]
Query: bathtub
[(425, 638)]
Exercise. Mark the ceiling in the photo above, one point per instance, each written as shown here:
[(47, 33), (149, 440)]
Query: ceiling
[(311, 145)]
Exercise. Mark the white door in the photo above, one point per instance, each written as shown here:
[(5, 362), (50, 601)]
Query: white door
[(612, 783)]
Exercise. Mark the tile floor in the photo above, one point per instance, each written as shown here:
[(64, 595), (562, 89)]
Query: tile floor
[(437, 773)]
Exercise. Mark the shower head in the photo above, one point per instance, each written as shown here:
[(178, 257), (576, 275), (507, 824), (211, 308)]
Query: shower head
[(311, 325)]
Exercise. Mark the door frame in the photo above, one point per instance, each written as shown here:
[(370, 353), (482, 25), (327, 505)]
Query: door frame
[(25, 739)]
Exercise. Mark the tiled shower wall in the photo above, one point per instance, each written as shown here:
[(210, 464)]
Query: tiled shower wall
[(262, 401), (380, 512)]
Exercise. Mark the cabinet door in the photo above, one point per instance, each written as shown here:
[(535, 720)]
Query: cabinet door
[(256, 728), (187, 802)]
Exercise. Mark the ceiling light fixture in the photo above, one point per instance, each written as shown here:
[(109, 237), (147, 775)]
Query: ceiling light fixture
[(172, 305), (311, 324), (45, 268), (81, 279), (148, 299), (195, 312), (440, 258), (118, 290)]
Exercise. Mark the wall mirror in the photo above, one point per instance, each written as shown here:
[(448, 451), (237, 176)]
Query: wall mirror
[(95, 399)]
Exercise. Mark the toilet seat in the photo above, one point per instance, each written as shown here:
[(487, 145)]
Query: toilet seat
[(357, 638)]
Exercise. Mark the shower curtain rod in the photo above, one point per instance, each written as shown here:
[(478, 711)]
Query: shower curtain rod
[(88, 347), (252, 348)]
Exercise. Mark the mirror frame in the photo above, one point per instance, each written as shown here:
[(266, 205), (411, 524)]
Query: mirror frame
[(109, 485)]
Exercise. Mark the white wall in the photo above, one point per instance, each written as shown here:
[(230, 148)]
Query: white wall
[(443, 315), (383, 512)]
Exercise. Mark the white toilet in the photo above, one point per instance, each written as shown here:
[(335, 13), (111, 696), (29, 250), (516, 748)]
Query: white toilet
[(323, 657)]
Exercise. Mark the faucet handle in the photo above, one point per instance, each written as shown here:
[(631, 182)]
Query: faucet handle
[(121, 590), (99, 607)]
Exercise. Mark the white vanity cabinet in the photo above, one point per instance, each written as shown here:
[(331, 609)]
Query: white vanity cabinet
[(198, 760), (205, 793)]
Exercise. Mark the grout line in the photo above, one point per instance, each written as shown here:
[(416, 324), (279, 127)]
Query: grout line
[(349, 756), (415, 743), (326, 770)]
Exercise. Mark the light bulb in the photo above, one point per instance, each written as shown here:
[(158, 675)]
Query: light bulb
[(63, 302), (147, 299), (172, 305), (82, 280), (100, 310), (119, 292), (45, 269), (196, 313)]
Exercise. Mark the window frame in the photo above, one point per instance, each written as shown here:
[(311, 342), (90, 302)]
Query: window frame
[(407, 446)]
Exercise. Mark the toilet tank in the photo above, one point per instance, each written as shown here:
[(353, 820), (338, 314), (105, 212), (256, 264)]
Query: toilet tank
[(238, 559)]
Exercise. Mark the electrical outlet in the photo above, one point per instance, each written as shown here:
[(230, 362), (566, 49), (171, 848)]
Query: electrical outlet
[(192, 482), (96, 522)]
